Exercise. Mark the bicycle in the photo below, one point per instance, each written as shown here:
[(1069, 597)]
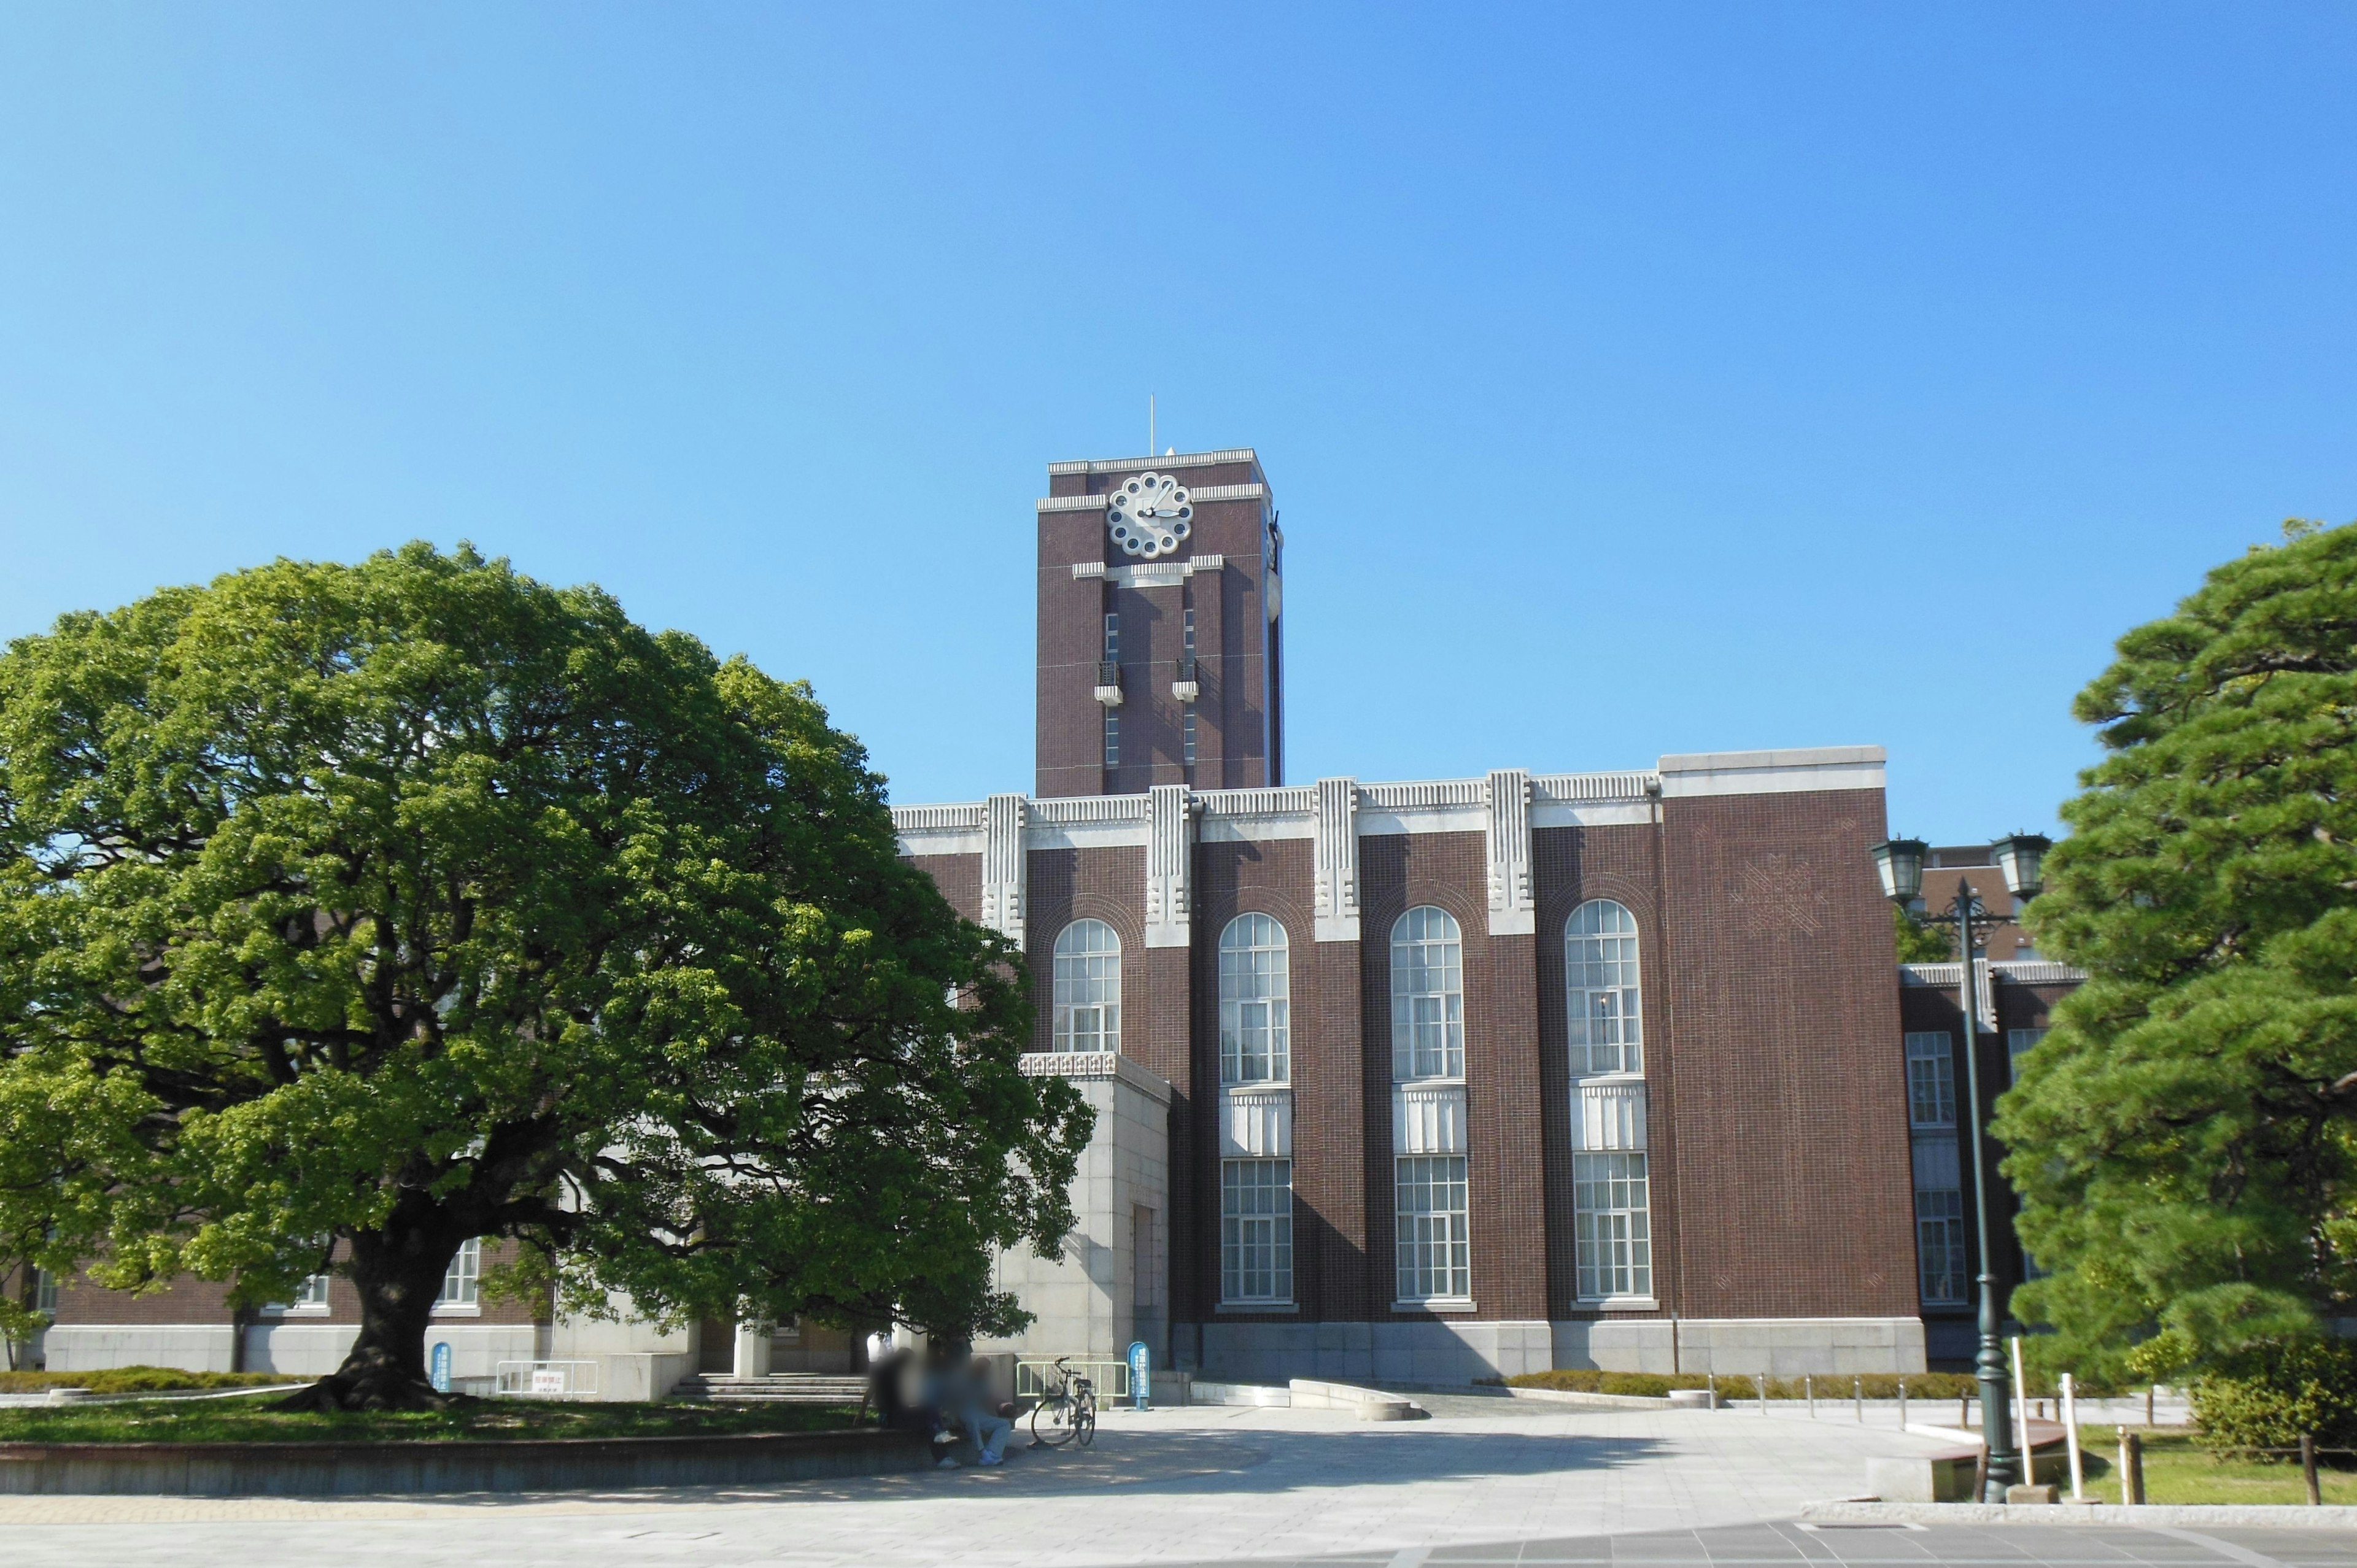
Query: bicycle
[(1066, 1411)]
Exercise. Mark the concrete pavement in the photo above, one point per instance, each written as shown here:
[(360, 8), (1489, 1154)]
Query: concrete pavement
[(1176, 1487)]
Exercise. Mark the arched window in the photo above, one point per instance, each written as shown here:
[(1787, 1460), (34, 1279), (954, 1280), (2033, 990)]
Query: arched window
[(1087, 987), (1255, 997), (1427, 996), (1600, 982)]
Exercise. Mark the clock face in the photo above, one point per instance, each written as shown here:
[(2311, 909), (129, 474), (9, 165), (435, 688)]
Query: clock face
[(1149, 515)]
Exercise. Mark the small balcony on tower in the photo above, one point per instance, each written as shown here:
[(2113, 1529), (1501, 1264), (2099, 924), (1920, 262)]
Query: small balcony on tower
[(1109, 682), (1185, 687)]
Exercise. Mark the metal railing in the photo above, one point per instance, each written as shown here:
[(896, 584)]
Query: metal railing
[(546, 1379), (1035, 1375), (1108, 672)]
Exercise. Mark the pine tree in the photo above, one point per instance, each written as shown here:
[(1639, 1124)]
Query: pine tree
[(2185, 1138)]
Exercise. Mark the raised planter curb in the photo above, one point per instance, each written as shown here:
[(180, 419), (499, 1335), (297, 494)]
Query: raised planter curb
[(543, 1465), (2226, 1515), (1591, 1402)]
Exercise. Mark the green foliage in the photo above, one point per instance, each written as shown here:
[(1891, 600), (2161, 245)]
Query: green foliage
[(2266, 1397), (137, 1381), (1920, 943), (2182, 1139), (398, 903), (479, 1420)]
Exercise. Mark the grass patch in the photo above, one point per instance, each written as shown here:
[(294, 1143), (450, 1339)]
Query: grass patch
[(2178, 1469), (137, 1381), (504, 1420)]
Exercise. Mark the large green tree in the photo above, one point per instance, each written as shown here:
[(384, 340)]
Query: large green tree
[(2185, 1139), (370, 909)]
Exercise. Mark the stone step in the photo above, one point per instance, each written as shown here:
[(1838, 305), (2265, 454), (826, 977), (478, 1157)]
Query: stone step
[(778, 1387)]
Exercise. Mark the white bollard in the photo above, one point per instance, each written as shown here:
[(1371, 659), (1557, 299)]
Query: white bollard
[(2071, 1436)]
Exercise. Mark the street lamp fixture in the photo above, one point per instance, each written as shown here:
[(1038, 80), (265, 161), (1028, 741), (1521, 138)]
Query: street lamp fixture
[(1899, 865)]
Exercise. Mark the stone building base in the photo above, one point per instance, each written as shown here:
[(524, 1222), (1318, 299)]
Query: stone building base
[(1780, 1346), (1433, 1352)]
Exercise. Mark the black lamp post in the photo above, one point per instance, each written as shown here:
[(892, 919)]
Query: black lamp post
[(1899, 863)]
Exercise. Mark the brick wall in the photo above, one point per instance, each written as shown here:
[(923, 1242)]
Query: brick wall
[(1795, 1200)]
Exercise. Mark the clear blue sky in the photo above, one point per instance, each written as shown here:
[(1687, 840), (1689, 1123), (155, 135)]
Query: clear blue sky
[(1632, 380)]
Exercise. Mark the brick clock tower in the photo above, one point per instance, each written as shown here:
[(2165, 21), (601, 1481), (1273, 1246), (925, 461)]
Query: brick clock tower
[(1160, 640)]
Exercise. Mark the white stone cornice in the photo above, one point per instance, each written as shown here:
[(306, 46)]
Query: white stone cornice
[(1153, 573), (1085, 1066), (1772, 772), (1167, 460)]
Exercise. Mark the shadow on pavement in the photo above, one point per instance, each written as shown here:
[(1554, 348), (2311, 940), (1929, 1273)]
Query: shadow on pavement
[(1165, 1462)]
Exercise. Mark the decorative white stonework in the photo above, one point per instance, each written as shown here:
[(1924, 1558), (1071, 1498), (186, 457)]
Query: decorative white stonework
[(939, 830), (1152, 575), (1609, 1115), (1335, 861), (1428, 1119), (1425, 806), (1511, 912), (1169, 854), (1092, 1066), (1256, 1122), (1002, 863), (1593, 800)]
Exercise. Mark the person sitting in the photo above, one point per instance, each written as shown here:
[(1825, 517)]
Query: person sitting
[(980, 1414), (902, 1404)]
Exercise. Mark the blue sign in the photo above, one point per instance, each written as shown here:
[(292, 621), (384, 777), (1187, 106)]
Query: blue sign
[(1141, 1370), (441, 1368)]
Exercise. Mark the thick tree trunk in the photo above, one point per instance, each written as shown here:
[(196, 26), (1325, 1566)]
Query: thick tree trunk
[(398, 1273)]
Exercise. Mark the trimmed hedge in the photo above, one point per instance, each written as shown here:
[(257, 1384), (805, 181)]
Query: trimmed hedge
[(2277, 1393), (138, 1381), (1832, 1386)]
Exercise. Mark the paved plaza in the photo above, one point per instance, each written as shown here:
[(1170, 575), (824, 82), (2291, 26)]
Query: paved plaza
[(1486, 1482)]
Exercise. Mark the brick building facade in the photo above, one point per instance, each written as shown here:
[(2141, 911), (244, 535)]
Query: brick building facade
[(1394, 1082)]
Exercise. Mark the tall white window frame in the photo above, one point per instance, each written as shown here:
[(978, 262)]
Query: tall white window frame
[(1612, 1216), (1187, 739), (462, 1281), (1113, 737), (1427, 996), (1256, 1231), (1940, 1257), (2019, 1043), (1434, 1242), (1603, 998), (1256, 1002), (1940, 1245), (1087, 987), (1931, 1078), (45, 1292)]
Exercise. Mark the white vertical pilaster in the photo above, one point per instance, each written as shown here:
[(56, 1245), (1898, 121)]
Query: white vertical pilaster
[(1169, 857), (1336, 857), (1003, 865), (1511, 911)]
